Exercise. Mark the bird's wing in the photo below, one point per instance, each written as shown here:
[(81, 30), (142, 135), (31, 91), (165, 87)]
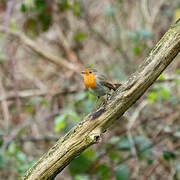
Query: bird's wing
[(108, 85), (104, 82), (101, 77)]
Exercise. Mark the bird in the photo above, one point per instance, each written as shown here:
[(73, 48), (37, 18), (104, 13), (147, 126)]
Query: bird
[(96, 83)]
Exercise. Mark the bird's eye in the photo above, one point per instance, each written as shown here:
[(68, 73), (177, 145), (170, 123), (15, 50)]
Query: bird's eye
[(90, 72)]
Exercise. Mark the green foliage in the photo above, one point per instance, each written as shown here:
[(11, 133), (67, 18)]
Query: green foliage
[(152, 96), (3, 56), (168, 155), (161, 77), (164, 93), (177, 170), (84, 100), (59, 122), (139, 35), (64, 5), (79, 165), (13, 24), (74, 6), (80, 96), (122, 173), (30, 106), (161, 92), (113, 155), (31, 27), (80, 37), (139, 141), (82, 177), (23, 8), (144, 33), (177, 134), (18, 157), (3, 159), (114, 140), (110, 11), (40, 100), (90, 154), (124, 144), (40, 5), (104, 171), (150, 161), (45, 20), (39, 17), (143, 146), (178, 71), (115, 72), (138, 38), (136, 50)]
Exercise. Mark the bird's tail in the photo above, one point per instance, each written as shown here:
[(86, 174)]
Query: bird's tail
[(116, 86), (112, 86)]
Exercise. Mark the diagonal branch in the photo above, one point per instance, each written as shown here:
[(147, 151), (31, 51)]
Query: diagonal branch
[(90, 129)]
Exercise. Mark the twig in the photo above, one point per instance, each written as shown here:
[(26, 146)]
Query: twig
[(150, 17), (120, 42), (33, 78), (12, 134), (129, 126), (167, 80), (98, 35), (11, 51), (102, 39), (35, 92), (10, 5), (134, 152), (35, 46), (37, 138), (149, 171), (63, 40), (152, 145), (135, 115), (4, 104)]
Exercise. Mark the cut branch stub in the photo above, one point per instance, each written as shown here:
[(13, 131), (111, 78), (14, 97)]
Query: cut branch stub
[(89, 130)]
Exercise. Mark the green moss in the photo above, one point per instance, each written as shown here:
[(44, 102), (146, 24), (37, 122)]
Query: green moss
[(89, 140)]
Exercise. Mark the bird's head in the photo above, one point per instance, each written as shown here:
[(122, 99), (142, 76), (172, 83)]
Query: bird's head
[(88, 72)]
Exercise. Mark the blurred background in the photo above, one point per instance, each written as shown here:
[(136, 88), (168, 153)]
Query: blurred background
[(44, 44)]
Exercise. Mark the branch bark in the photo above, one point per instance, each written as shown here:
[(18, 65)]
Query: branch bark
[(90, 129)]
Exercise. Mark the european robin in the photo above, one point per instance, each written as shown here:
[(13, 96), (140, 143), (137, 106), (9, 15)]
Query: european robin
[(97, 83)]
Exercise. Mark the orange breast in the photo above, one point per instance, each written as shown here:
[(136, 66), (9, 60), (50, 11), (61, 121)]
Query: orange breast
[(90, 81)]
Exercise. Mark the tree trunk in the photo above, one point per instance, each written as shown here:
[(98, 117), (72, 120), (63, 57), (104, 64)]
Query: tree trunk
[(88, 131)]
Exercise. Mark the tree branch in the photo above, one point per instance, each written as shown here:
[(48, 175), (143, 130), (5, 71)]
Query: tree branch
[(90, 129), (35, 92), (40, 49)]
